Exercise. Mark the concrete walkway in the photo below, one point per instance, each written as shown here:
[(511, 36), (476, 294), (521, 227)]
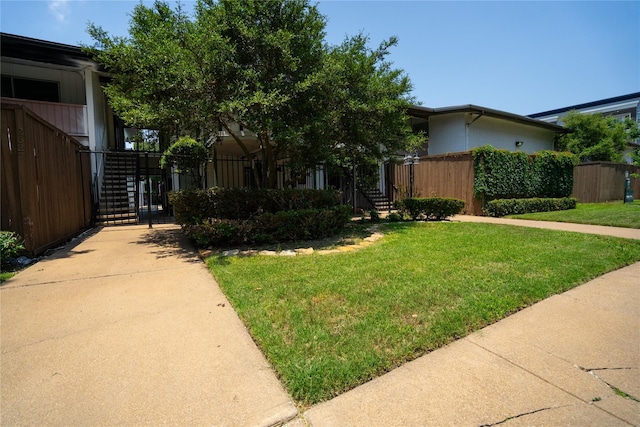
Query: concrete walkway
[(129, 328), (627, 233)]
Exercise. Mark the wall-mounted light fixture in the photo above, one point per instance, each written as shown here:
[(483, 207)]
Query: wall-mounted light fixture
[(213, 140), (410, 160), (519, 143)]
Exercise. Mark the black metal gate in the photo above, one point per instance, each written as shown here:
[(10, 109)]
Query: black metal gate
[(129, 187)]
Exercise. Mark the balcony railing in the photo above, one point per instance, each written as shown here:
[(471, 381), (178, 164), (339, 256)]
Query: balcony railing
[(70, 118)]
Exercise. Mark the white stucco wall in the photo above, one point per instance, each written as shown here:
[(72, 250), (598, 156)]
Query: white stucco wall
[(504, 133), (447, 134), (450, 133)]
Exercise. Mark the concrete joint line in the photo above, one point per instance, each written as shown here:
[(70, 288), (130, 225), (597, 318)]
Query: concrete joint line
[(53, 282), (81, 331), (615, 389), (529, 372)]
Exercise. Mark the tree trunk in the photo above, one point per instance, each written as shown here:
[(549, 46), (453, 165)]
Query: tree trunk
[(244, 148), (271, 160)]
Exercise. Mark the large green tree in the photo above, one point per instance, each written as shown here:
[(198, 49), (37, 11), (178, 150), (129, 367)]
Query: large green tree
[(365, 105), (262, 64), (594, 137)]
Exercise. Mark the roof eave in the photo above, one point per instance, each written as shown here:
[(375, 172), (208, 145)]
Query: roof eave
[(424, 112)]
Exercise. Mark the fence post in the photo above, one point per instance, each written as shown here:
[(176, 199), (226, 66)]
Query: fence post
[(354, 187), (146, 161), (628, 192)]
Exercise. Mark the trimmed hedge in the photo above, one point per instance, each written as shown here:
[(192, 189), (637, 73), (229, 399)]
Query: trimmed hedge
[(195, 206), (283, 226), (216, 216), (503, 174), (503, 207), (436, 208)]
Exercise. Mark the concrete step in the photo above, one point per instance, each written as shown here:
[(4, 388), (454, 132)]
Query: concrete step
[(117, 215)]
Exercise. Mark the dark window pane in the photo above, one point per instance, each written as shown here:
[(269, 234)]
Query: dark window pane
[(37, 90), (6, 87)]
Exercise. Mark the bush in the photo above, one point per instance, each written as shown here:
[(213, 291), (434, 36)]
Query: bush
[(10, 245), (435, 208), (194, 206), (187, 156), (394, 217), (503, 207), (219, 216), (283, 226)]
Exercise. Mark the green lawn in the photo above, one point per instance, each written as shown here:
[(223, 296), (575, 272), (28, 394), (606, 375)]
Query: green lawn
[(328, 323), (615, 214), (6, 276)]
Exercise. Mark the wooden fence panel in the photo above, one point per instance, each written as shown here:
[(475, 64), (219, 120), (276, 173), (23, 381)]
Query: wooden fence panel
[(70, 118), (447, 175), (597, 182), (451, 175), (11, 217), (46, 195)]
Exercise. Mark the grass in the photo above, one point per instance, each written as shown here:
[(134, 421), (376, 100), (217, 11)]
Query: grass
[(328, 323), (616, 214), (4, 275)]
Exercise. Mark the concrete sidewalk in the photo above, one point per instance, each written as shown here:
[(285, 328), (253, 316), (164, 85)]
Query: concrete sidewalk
[(627, 233), (129, 328)]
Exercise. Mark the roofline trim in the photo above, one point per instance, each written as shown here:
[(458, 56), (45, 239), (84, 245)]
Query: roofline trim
[(426, 112), (587, 105)]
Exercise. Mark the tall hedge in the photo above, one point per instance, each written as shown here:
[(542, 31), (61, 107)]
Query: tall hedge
[(194, 206), (219, 217), (503, 174)]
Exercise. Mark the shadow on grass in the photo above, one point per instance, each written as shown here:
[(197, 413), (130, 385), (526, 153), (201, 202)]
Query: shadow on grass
[(353, 233)]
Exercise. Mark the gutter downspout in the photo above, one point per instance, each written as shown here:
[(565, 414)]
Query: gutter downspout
[(466, 130)]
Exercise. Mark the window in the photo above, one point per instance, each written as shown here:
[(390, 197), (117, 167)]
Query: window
[(37, 90), (7, 90), (621, 117)]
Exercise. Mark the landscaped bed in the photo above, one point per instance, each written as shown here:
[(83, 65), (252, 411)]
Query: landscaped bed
[(616, 214), (328, 323)]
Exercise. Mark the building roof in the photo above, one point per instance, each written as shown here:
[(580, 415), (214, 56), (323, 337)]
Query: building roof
[(602, 102), (34, 50), (425, 113)]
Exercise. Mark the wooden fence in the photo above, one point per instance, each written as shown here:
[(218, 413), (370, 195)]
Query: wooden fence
[(446, 175), (46, 181), (451, 175), (596, 182)]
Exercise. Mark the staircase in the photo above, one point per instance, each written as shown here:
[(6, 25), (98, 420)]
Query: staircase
[(379, 200), (118, 193)]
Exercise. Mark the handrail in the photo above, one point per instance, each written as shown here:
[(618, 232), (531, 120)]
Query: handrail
[(365, 195)]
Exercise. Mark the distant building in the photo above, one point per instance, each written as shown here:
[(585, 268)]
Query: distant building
[(620, 107), (465, 127)]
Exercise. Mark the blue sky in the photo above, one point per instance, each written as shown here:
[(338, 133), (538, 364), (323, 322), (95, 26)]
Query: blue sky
[(518, 56)]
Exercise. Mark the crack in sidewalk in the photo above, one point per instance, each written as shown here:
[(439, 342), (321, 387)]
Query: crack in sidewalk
[(616, 390), (521, 415)]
